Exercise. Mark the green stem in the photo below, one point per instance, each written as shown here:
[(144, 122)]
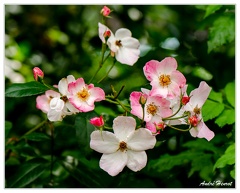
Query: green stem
[(184, 130), (114, 62), (35, 128), (101, 62), (175, 118), (111, 99)]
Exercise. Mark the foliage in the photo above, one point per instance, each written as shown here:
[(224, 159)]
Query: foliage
[(63, 40)]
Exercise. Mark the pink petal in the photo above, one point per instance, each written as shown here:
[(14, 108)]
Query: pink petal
[(204, 131), (200, 94), (76, 86), (42, 103), (113, 163), (101, 30), (104, 142), (136, 160), (150, 70), (97, 94), (136, 108), (80, 105), (141, 140), (178, 78), (124, 127), (167, 66)]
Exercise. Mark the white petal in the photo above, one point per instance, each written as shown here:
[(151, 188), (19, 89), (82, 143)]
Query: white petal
[(104, 142), (54, 115), (122, 33), (63, 86), (136, 160), (130, 42), (124, 127), (141, 140), (127, 56), (57, 104), (113, 163)]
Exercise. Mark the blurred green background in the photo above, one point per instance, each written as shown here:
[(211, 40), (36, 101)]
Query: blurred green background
[(63, 40)]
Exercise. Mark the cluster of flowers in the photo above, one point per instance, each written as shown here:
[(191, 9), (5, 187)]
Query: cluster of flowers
[(73, 96), (165, 105)]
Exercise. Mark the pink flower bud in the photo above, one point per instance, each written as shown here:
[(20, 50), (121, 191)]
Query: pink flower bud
[(97, 121), (185, 100), (37, 72), (105, 11), (193, 121), (107, 34)]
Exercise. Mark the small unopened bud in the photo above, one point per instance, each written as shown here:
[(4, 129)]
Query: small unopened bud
[(37, 72), (97, 121), (107, 34), (143, 99), (160, 126), (185, 100), (105, 11), (193, 120)]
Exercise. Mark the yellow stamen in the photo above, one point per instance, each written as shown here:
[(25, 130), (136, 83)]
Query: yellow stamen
[(164, 80)]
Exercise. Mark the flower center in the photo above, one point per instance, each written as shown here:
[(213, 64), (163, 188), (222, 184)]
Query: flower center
[(197, 110), (164, 80), (122, 146), (152, 109), (118, 43), (193, 121), (83, 94), (64, 98)]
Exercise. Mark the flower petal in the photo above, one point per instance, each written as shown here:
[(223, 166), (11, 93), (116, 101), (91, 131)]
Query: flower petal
[(122, 33), (141, 140), (104, 142), (204, 131), (136, 160), (130, 42), (101, 30), (150, 70), (167, 66), (200, 94), (124, 127), (127, 56), (113, 163)]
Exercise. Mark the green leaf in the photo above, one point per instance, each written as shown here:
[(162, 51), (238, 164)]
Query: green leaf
[(222, 32), (232, 173), (84, 129), (35, 136), (25, 89), (230, 93), (202, 73), (27, 173), (167, 162), (207, 109), (210, 9), (228, 158), (8, 126), (226, 117), (201, 145), (216, 96)]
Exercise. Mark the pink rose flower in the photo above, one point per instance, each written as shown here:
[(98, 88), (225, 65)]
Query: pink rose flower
[(83, 96), (198, 97), (166, 81)]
